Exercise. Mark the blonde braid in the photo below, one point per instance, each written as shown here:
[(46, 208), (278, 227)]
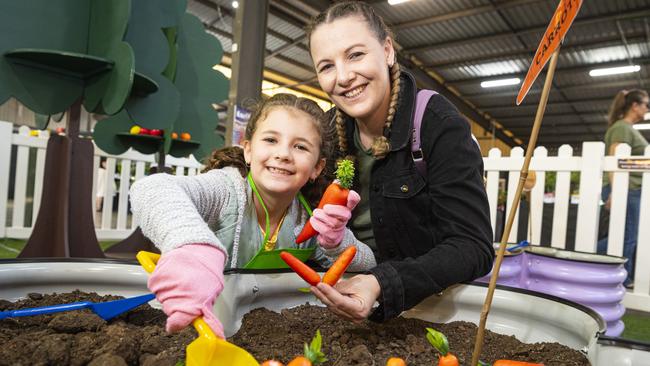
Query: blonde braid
[(340, 132), (381, 145)]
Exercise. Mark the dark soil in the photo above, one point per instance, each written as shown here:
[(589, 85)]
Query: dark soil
[(139, 338), (83, 338), (270, 335)]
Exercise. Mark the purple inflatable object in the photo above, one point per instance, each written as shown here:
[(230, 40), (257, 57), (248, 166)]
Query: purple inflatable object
[(589, 279)]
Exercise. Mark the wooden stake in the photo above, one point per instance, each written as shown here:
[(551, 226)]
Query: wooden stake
[(515, 204)]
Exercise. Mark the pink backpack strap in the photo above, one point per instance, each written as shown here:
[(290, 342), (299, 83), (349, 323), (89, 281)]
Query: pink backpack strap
[(421, 102)]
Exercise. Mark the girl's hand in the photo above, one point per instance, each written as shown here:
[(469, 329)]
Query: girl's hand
[(186, 281), (351, 299), (331, 220)]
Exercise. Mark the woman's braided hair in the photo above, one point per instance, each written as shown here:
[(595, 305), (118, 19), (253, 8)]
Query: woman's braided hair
[(233, 156), (381, 145)]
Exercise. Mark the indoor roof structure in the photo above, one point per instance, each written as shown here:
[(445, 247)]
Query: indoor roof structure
[(454, 45)]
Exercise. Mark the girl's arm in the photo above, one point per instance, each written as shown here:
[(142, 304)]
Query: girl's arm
[(176, 210), (363, 260)]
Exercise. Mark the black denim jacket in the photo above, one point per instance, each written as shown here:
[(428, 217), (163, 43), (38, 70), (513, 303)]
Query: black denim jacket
[(434, 232)]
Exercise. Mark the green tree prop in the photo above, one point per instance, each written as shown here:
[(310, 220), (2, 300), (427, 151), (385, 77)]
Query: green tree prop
[(192, 54), (80, 57)]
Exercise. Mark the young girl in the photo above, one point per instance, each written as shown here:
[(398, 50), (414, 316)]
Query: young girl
[(242, 213), (427, 231)]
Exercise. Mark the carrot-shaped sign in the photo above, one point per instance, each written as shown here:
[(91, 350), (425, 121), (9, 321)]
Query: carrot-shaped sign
[(331, 277), (562, 19), (335, 194), (300, 268)]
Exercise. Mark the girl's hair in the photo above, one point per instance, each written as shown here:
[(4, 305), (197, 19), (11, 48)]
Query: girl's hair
[(380, 146), (234, 155), (622, 103)]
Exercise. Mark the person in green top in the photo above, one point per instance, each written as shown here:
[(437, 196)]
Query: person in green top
[(628, 108)]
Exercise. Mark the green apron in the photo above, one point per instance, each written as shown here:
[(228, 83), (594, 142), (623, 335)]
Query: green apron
[(270, 259)]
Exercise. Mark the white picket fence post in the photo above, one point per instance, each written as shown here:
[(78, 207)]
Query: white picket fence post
[(591, 177), (5, 164)]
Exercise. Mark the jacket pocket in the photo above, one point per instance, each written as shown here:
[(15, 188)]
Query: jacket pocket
[(404, 186)]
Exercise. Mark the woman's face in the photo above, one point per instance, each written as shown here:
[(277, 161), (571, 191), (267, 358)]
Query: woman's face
[(352, 67), (640, 109), (284, 152)]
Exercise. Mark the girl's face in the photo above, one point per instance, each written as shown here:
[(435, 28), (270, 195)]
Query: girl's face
[(284, 152), (352, 67)]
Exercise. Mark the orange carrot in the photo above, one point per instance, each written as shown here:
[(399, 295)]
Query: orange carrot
[(335, 194), (448, 360), (395, 361), (300, 361), (515, 363), (272, 363), (340, 265), (300, 268)]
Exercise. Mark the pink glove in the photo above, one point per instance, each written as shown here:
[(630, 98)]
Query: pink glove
[(330, 221), (186, 281)]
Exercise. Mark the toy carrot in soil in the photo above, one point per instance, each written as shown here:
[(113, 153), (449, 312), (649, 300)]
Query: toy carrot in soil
[(441, 344), (300, 268), (510, 363), (340, 265), (272, 363), (313, 354), (335, 194), (395, 361)]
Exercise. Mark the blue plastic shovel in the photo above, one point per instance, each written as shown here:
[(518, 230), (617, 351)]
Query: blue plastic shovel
[(106, 310)]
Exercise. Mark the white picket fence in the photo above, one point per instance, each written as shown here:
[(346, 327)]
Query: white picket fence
[(592, 165), (109, 225)]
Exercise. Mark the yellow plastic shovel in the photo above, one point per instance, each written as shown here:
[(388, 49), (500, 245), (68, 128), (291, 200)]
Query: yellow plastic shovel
[(207, 349)]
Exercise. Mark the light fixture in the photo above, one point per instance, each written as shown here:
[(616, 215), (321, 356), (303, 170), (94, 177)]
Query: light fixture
[(395, 2), (235, 4), (501, 82), (615, 70)]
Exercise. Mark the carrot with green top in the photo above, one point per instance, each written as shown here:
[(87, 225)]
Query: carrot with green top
[(510, 363), (300, 268), (335, 194), (441, 344), (331, 277), (312, 353)]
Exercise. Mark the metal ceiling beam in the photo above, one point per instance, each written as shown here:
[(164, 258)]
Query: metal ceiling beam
[(536, 30), (550, 104), (527, 54), (559, 70), (531, 117), (288, 60), (462, 105), (601, 85), (461, 13), (231, 14)]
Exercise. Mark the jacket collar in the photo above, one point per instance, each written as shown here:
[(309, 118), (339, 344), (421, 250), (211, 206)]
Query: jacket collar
[(402, 125)]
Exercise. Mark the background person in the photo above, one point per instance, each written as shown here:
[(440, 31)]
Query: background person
[(628, 108)]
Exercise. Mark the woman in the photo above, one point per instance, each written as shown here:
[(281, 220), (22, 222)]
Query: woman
[(628, 108), (427, 232)]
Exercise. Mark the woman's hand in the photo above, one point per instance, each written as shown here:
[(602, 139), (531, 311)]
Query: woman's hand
[(351, 299)]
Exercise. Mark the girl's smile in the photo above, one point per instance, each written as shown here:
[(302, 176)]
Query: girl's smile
[(284, 153)]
